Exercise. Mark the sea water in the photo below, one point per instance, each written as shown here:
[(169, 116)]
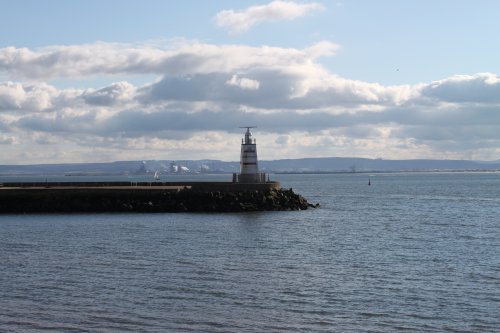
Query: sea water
[(417, 252)]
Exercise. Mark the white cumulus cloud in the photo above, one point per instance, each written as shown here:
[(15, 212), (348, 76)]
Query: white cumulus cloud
[(176, 58), (241, 21), (26, 97), (243, 82)]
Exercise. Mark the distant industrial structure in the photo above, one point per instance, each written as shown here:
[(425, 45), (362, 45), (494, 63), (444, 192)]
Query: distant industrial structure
[(249, 165)]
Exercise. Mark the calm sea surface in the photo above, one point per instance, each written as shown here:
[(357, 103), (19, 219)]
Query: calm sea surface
[(416, 252)]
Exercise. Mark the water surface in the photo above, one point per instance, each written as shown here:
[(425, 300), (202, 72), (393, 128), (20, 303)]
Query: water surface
[(412, 252)]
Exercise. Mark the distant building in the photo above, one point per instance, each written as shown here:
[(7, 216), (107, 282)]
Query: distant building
[(177, 168)]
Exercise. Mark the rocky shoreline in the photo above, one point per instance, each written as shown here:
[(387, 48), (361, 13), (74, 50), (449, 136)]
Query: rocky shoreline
[(184, 200)]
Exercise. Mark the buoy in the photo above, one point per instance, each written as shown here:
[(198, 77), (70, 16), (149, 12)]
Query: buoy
[(369, 183)]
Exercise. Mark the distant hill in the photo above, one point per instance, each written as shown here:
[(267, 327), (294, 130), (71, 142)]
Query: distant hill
[(305, 165), (339, 164)]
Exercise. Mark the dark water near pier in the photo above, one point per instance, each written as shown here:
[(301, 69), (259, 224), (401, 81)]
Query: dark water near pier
[(413, 252)]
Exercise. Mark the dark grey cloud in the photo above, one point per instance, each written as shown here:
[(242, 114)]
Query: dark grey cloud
[(276, 90), (448, 130), (169, 122), (71, 123), (137, 123)]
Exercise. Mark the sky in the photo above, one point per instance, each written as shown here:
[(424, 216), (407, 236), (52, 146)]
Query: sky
[(101, 81)]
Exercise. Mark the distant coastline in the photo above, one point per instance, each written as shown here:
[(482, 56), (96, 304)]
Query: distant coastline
[(283, 166), (375, 172)]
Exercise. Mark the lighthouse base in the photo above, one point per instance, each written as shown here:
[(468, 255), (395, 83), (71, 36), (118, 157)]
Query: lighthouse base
[(249, 177)]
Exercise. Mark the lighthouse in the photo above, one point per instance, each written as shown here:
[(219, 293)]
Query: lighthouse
[(249, 167)]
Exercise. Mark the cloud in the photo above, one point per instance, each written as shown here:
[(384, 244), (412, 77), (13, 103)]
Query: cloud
[(478, 88), (119, 92), (243, 82), (300, 106), (76, 61), (178, 58), (6, 140), (391, 131), (241, 21), (26, 97), (283, 140), (276, 88), (168, 123)]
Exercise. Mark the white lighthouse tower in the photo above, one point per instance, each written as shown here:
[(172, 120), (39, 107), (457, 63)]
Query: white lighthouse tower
[(249, 167)]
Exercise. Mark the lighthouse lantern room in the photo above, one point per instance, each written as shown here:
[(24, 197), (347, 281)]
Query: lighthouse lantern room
[(249, 167)]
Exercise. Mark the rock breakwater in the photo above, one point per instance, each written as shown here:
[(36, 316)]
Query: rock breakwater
[(57, 200)]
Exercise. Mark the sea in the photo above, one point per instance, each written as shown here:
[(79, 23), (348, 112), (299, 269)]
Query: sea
[(411, 252)]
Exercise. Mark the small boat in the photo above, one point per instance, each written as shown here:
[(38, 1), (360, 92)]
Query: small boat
[(369, 182)]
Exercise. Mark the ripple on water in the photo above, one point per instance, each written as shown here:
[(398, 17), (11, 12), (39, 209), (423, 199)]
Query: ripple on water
[(412, 253)]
